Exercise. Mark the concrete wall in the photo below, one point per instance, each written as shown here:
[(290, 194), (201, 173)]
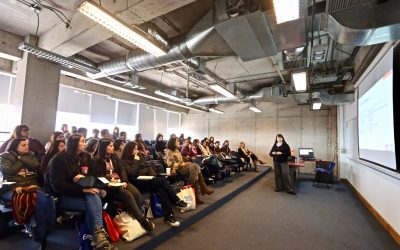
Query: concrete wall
[(300, 127), (380, 187)]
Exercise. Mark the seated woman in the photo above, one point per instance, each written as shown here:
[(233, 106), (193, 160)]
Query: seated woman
[(192, 170), (225, 150), (188, 150), (205, 152), (118, 147), (160, 144), (64, 173), (142, 147), (91, 145), (247, 155), (136, 165), (22, 131), (217, 149), (20, 165), (56, 147), (54, 136), (106, 164)]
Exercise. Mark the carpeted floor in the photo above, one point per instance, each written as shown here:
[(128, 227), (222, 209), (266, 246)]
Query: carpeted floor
[(259, 218)]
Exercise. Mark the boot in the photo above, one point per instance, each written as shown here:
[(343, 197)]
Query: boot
[(197, 196), (100, 240), (203, 187), (255, 167)]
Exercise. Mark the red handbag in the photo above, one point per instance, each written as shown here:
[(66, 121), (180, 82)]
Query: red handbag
[(109, 225)]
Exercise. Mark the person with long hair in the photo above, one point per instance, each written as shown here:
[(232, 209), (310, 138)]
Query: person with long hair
[(91, 145), (118, 147), (141, 145), (160, 144), (280, 153), (115, 134), (191, 170), (19, 165), (57, 135), (107, 164), (23, 131), (136, 165), (247, 155), (56, 147), (64, 173), (225, 148)]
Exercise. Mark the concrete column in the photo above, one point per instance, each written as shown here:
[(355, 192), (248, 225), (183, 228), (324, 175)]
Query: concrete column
[(36, 94)]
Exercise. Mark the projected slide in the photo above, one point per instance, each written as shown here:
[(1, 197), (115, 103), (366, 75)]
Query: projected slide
[(375, 124)]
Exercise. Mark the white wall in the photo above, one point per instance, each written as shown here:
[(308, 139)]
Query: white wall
[(380, 187), (300, 127)]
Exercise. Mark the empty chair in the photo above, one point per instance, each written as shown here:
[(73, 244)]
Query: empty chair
[(324, 172)]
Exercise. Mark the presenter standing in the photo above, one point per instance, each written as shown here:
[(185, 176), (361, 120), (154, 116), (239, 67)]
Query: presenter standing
[(280, 153)]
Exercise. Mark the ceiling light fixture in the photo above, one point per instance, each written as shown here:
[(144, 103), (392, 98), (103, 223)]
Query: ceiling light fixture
[(316, 104), (172, 97), (300, 80), (286, 10), (216, 111), (61, 60), (255, 109), (221, 90), (131, 34)]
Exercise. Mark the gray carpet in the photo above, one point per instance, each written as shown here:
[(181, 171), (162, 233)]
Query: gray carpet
[(259, 218)]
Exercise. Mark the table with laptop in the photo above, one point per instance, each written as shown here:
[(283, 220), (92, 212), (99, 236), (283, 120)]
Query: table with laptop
[(305, 155)]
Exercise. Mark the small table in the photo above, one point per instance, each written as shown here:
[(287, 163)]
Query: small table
[(296, 165)]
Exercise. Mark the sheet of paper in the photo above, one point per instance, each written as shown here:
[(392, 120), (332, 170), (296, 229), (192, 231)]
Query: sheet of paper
[(104, 180)]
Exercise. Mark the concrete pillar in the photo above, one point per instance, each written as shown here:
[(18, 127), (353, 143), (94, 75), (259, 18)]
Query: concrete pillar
[(36, 94)]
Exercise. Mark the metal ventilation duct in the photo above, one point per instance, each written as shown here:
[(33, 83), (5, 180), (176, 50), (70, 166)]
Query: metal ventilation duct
[(361, 24), (251, 36)]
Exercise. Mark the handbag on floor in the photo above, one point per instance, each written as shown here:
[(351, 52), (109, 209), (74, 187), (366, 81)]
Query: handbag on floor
[(187, 195), (85, 238), (109, 225), (156, 206), (128, 228)]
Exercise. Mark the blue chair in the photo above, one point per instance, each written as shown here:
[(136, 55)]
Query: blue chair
[(324, 172)]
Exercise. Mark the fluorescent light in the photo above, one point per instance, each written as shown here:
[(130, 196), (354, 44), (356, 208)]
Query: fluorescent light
[(255, 109), (221, 90), (172, 97), (316, 104), (286, 10), (216, 111), (300, 81), (61, 60), (137, 37)]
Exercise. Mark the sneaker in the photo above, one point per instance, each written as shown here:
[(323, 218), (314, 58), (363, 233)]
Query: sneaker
[(170, 219), (147, 225), (100, 240), (182, 205)]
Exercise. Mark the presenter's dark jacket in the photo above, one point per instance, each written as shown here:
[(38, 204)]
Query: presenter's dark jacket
[(284, 149)]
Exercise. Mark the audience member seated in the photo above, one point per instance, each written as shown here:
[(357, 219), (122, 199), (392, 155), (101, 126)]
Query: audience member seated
[(64, 129), (225, 148), (64, 173), (160, 144), (54, 136), (20, 165), (74, 130), (106, 164), (181, 139), (205, 152), (247, 155), (105, 134), (217, 149), (56, 147), (22, 131), (118, 147), (83, 132), (191, 170), (196, 145), (211, 147), (123, 136), (142, 147), (188, 150), (91, 145), (115, 134), (136, 165), (95, 134)]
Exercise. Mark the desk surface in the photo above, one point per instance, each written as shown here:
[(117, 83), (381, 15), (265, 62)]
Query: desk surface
[(297, 163)]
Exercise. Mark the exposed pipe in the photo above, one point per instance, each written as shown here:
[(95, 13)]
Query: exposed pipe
[(277, 69)]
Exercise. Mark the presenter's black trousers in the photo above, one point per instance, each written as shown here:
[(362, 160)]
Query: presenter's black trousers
[(282, 177)]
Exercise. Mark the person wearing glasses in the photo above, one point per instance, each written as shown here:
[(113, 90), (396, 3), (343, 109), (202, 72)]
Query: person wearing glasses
[(23, 131)]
